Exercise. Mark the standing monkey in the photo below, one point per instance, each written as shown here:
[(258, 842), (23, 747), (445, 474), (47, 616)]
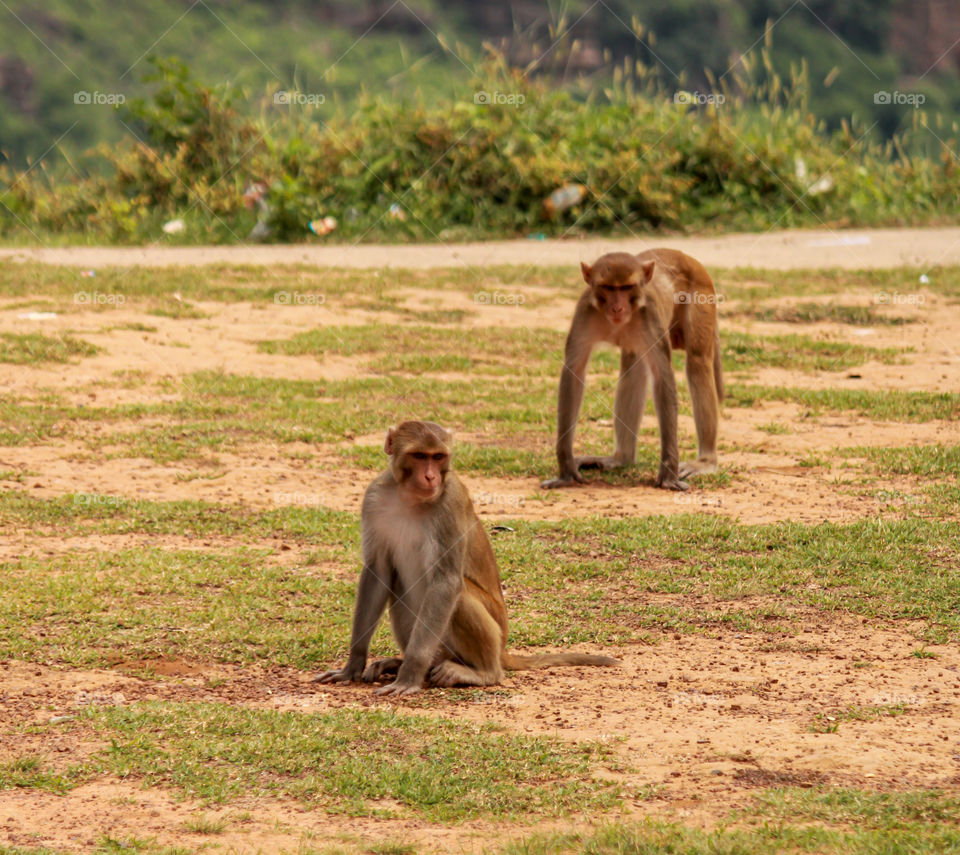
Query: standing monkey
[(426, 555), (644, 304)]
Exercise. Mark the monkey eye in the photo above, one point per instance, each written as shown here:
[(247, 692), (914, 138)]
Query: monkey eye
[(438, 457), (418, 455)]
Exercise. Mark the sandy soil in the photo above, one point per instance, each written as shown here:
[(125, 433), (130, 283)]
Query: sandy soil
[(700, 724), (775, 250)]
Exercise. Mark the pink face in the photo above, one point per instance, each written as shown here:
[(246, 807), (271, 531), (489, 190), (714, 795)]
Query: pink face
[(617, 302), (423, 473)]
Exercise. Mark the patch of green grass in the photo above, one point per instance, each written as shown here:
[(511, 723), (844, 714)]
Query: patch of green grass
[(349, 761), (745, 283), (922, 460), (774, 428), (809, 313), (136, 326), (798, 353), (829, 722), (24, 772), (657, 839), (487, 460), (31, 348), (204, 824), (880, 405), (843, 806), (886, 569), (83, 608), (496, 349), (178, 310), (239, 606)]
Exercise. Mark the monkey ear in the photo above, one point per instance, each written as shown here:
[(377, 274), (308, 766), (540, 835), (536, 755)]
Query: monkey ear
[(586, 270), (648, 270), (388, 443)]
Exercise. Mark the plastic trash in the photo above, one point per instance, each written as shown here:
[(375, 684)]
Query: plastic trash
[(563, 198), (173, 227), (88, 274), (323, 226), (255, 197), (397, 213), (924, 279)]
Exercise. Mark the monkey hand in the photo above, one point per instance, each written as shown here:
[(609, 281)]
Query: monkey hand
[(399, 688), (350, 673), (669, 480)]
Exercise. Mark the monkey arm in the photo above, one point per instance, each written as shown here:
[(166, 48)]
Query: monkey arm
[(372, 594), (570, 398)]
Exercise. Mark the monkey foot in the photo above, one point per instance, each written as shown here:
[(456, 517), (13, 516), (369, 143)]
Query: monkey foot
[(562, 481), (397, 689), (690, 468), (383, 668)]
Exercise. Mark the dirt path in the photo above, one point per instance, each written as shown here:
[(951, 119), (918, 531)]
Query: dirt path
[(781, 250)]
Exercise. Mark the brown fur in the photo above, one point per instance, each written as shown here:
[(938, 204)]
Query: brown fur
[(429, 559), (644, 304)]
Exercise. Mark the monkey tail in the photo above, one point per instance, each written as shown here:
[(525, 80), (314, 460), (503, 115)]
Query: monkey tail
[(512, 662), (717, 366)]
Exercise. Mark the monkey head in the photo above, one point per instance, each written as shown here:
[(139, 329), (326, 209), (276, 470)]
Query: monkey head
[(419, 459), (617, 281)]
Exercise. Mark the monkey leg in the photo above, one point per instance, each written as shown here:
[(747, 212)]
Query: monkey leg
[(475, 645), (376, 671), (706, 414)]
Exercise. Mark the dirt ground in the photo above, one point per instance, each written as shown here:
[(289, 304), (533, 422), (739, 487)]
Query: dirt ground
[(700, 723), (772, 250)]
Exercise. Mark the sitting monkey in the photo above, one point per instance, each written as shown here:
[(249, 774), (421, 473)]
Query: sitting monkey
[(427, 556)]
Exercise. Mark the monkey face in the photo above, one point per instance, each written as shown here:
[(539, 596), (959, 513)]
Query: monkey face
[(420, 459), (424, 472), (617, 281)]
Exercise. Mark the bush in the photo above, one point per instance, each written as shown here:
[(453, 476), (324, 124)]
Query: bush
[(461, 169)]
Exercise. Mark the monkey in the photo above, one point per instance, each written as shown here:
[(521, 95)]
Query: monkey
[(427, 556), (644, 304)]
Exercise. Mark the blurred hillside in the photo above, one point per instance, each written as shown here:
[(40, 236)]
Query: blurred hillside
[(52, 53)]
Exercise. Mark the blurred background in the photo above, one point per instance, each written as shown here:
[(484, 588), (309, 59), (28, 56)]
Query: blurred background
[(277, 91)]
